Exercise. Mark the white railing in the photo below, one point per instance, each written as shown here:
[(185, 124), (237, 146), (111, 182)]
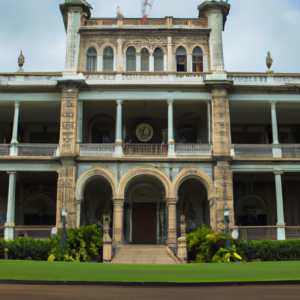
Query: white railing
[(252, 150), (37, 150), (97, 150), (290, 150), (193, 149), (4, 150), (292, 232), (146, 150)]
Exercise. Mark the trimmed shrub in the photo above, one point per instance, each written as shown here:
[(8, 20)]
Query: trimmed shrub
[(268, 250), (26, 248)]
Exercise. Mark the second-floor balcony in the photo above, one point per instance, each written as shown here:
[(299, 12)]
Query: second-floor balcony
[(29, 150)]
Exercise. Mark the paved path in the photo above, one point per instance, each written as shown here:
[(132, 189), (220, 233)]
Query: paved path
[(46, 292)]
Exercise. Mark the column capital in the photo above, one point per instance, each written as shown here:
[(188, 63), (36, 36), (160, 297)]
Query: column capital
[(172, 201), (170, 101), (17, 104), (273, 102), (119, 102), (118, 201), (12, 172), (11, 224), (278, 172)]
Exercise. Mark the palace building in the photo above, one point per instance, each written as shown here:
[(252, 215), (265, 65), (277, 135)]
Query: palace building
[(144, 126)]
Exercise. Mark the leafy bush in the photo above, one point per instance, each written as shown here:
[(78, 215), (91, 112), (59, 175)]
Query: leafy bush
[(268, 250), (205, 244), (26, 248), (83, 244)]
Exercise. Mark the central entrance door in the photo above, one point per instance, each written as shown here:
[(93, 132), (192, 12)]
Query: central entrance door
[(144, 223)]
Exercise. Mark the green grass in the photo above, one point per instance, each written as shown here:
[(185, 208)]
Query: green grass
[(67, 271)]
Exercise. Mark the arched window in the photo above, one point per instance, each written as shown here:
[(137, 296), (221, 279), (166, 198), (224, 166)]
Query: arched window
[(181, 59), (91, 60), (108, 59), (145, 60), (158, 60), (197, 60), (131, 59)]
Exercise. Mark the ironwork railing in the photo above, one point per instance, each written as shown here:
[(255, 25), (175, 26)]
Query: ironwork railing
[(37, 150), (97, 150), (290, 150), (253, 150), (4, 150), (193, 149), (254, 233), (146, 149), (292, 232)]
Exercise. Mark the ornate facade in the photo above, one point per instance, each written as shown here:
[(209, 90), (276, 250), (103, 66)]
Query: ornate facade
[(145, 126)]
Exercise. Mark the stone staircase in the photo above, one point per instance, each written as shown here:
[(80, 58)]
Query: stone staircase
[(145, 254)]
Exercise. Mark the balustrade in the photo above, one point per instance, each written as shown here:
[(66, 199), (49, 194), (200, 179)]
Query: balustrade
[(29, 150), (97, 150), (146, 150), (193, 149)]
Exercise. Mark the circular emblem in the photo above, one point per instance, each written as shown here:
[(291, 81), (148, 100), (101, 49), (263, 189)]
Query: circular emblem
[(144, 132)]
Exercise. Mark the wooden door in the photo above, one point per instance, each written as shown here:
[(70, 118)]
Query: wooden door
[(144, 223)]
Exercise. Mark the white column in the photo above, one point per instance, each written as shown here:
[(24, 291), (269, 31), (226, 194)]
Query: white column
[(138, 62), (205, 63), (170, 54), (165, 63), (171, 141), (209, 122), (14, 139), (151, 62), (79, 121), (274, 123), (279, 204), (100, 63), (10, 218), (115, 63), (119, 142), (189, 62)]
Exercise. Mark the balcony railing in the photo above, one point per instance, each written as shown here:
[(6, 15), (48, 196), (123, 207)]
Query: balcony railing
[(193, 149), (292, 232), (4, 150), (97, 150), (29, 150), (254, 233), (261, 151), (252, 150), (290, 151), (146, 150)]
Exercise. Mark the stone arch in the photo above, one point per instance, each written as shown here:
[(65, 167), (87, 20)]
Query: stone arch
[(141, 47), (95, 172), (180, 45), (145, 170), (193, 173), (160, 47), (191, 49), (103, 46), (90, 45), (128, 45)]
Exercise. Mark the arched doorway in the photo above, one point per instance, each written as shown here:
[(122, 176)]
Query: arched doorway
[(97, 202), (145, 212), (251, 210), (193, 204)]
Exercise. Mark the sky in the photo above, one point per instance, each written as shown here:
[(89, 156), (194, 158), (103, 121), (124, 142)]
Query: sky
[(253, 28)]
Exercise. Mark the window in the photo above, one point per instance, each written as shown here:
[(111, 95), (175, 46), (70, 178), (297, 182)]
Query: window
[(181, 59), (197, 60), (158, 60), (145, 60), (91, 60), (108, 59), (131, 59)]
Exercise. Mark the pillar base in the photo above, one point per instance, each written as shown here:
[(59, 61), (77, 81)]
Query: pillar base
[(13, 150), (171, 151), (182, 250), (281, 232), (9, 231), (118, 151)]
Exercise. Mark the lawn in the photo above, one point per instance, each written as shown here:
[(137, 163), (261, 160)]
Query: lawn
[(67, 271)]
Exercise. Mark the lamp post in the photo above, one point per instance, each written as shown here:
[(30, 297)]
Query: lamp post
[(64, 213), (227, 222)]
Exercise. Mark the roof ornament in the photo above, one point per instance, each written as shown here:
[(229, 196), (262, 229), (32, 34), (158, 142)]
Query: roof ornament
[(119, 15), (269, 62), (21, 61)]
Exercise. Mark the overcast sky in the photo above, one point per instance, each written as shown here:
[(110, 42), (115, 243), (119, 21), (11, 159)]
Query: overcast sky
[(253, 28)]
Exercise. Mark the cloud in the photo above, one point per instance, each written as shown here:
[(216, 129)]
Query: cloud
[(253, 28)]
